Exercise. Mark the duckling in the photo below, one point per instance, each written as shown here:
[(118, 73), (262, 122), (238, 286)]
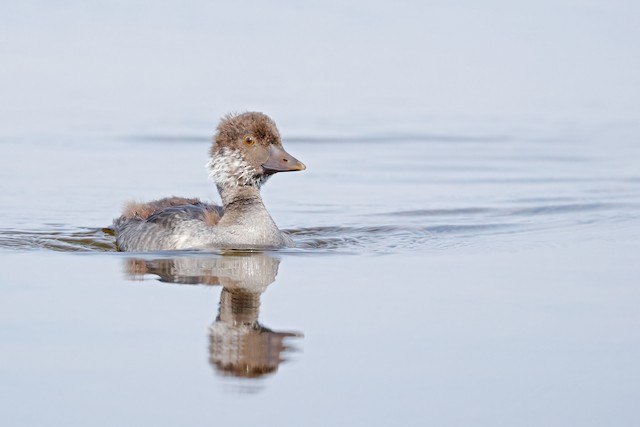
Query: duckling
[(247, 150)]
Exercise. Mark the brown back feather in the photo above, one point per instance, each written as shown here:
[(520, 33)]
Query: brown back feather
[(210, 214)]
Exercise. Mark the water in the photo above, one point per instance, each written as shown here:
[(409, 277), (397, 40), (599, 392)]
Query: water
[(496, 274), (467, 230)]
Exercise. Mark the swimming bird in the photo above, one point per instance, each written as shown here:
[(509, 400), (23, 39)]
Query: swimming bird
[(247, 150)]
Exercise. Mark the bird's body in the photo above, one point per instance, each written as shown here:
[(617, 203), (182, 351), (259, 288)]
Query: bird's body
[(246, 151)]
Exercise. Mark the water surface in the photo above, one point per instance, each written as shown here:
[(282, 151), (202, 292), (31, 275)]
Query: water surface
[(467, 229), (486, 279)]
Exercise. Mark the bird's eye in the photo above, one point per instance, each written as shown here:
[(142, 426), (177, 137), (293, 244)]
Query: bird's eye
[(249, 140)]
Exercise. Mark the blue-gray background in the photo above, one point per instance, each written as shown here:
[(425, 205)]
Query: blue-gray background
[(104, 63), (468, 223)]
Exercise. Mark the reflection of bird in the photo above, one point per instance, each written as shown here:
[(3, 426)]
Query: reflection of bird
[(247, 150), (238, 344)]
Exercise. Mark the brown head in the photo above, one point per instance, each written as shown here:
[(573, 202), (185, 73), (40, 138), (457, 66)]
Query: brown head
[(247, 149)]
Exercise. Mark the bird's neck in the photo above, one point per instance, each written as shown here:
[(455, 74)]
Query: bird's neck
[(237, 196), (243, 205)]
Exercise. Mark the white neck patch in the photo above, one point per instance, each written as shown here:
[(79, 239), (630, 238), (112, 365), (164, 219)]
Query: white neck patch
[(229, 169)]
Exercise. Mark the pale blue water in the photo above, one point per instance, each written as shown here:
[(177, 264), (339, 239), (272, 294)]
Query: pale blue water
[(497, 275), (468, 227)]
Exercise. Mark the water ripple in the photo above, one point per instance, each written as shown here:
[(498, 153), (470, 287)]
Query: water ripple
[(62, 240), (424, 229)]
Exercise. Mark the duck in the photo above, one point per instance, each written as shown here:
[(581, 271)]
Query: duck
[(246, 151)]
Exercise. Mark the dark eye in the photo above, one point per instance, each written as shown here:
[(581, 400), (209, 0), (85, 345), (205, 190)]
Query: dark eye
[(249, 140)]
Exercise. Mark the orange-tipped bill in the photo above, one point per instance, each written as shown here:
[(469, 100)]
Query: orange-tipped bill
[(281, 161)]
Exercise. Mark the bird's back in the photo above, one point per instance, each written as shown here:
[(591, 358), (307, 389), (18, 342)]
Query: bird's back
[(161, 224)]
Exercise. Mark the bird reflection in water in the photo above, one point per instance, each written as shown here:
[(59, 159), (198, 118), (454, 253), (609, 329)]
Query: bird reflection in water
[(238, 344)]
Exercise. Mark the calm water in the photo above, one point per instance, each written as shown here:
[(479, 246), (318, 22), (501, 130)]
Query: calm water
[(468, 228), (474, 279)]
